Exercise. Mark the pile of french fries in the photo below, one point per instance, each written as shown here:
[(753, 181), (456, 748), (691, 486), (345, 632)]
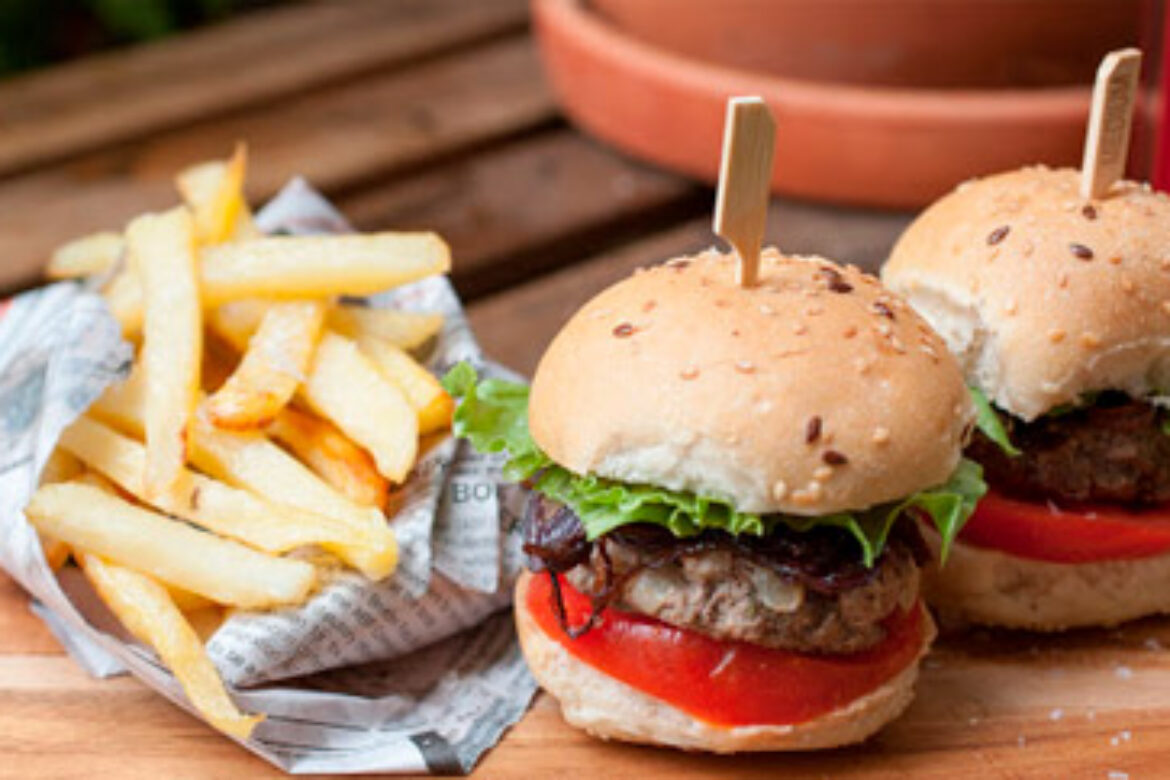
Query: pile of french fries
[(262, 430)]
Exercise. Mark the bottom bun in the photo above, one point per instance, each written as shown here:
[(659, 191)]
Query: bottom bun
[(987, 587), (610, 709)]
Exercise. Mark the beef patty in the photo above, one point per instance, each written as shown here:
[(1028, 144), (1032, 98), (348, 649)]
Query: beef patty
[(1113, 451), (803, 591)]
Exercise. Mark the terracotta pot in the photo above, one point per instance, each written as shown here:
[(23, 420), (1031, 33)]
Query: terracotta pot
[(900, 43), (839, 142)]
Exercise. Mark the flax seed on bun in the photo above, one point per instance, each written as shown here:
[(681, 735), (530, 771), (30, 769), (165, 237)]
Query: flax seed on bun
[(1044, 295), (814, 392)]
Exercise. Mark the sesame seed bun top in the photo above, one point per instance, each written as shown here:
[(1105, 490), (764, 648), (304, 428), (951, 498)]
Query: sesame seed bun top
[(813, 392), (1041, 294)]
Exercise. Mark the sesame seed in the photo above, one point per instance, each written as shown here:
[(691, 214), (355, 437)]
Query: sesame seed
[(1062, 280), (1056, 335), (1088, 212), (690, 372), (883, 310), (1090, 340), (779, 490), (850, 331), (822, 473), (834, 458), (1080, 251), (809, 495), (623, 330), (812, 429), (1127, 284), (1115, 259), (881, 434), (766, 309), (897, 345), (800, 329), (648, 306), (1029, 248), (745, 366), (999, 234), (678, 263)]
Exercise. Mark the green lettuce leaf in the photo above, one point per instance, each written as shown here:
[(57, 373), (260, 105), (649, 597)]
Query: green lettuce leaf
[(987, 420), (493, 416)]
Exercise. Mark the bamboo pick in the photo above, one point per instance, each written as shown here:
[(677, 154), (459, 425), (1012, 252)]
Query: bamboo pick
[(1107, 138), (741, 205)]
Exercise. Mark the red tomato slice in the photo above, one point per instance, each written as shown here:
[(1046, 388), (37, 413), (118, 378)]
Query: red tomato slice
[(725, 683), (1045, 532)]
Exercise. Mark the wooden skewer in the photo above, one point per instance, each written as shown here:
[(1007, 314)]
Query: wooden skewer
[(741, 205), (1107, 138)]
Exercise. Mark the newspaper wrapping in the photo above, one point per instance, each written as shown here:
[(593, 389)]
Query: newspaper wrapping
[(419, 673)]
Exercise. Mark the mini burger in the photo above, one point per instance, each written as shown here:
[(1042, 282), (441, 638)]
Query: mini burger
[(1058, 309), (724, 481)]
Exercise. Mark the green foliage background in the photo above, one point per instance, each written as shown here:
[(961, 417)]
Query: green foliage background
[(35, 33)]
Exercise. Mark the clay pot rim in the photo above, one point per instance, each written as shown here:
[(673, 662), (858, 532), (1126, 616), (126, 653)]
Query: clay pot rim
[(915, 105)]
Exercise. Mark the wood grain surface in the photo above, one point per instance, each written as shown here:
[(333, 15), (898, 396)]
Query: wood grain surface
[(433, 114)]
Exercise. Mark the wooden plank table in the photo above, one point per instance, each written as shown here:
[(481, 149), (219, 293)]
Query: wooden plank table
[(432, 114)]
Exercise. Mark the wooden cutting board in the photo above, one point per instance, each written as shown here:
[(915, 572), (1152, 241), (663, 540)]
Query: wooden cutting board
[(989, 705)]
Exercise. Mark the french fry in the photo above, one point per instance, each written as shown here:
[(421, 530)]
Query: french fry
[(432, 403), (248, 460), (235, 322), (205, 620), (56, 551), (318, 266), (206, 502), (274, 364), (294, 267), (124, 297), (214, 191), (406, 329), (187, 601), (123, 404), (344, 387), (219, 361), (162, 254), (87, 517), (336, 459), (87, 255), (146, 610), (61, 467)]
